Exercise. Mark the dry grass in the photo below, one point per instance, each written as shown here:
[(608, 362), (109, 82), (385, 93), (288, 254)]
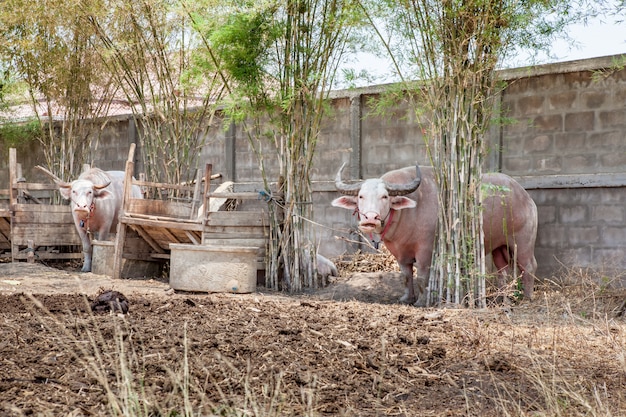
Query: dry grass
[(562, 355)]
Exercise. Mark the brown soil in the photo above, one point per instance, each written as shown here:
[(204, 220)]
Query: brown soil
[(345, 350)]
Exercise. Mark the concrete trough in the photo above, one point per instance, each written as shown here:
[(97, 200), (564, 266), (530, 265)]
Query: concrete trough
[(103, 256), (206, 268)]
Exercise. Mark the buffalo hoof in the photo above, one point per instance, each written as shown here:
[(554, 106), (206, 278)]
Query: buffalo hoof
[(420, 303), (405, 299)]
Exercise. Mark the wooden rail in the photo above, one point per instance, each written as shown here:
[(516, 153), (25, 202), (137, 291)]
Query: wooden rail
[(36, 228), (148, 226)]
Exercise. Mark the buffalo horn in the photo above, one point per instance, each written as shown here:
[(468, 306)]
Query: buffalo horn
[(404, 189), (100, 187), (56, 179), (343, 188)]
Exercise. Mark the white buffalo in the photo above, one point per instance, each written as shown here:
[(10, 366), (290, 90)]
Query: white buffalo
[(96, 201)]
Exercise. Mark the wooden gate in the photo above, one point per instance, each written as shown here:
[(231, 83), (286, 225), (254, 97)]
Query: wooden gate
[(186, 214), (39, 230)]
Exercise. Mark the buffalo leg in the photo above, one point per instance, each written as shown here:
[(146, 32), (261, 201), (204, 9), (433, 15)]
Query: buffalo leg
[(86, 241), (501, 260), (528, 265), (421, 280), (409, 290)]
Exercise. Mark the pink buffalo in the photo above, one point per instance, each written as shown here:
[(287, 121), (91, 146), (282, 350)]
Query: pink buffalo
[(401, 209)]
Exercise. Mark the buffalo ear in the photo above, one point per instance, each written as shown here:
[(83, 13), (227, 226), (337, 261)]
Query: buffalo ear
[(399, 203), (66, 192), (346, 201), (102, 193)]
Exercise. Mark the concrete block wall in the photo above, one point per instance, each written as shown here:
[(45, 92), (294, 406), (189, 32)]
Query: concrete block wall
[(564, 123), (567, 146), (566, 143), (580, 227), (109, 151), (391, 140)]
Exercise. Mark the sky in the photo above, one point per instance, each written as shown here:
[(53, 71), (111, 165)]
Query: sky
[(599, 37)]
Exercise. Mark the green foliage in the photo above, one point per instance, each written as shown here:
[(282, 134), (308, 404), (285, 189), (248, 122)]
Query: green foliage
[(149, 47), (278, 60), (5, 84), (15, 135), (241, 44), (47, 46), (493, 190), (617, 64)]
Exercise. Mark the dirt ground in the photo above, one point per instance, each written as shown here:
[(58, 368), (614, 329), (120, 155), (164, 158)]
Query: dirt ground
[(346, 350)]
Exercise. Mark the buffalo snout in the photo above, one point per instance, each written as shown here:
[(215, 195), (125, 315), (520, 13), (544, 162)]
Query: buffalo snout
[(370, 221), (81, 212)]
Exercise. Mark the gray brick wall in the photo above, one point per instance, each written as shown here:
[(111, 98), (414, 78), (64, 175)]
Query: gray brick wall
[(570, 130), (565, 141)]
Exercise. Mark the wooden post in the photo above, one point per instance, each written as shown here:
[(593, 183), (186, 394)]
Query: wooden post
[(207, 198), (195, 200), (30, 258), (13, 197), (144, 189), (120, 238), (19, 178), (12, 177)]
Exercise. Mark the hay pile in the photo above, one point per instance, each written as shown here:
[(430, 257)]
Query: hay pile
[(382, 260)]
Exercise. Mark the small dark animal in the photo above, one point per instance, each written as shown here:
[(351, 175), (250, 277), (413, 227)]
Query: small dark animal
[(110, 300)]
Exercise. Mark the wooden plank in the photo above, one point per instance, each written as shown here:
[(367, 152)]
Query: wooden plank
[(172, 209), (219, 232), (40, 215), (169, 236), (5, 229), (12, 175), (237, 241), (617, 179), (207, 187), (41, 255), (49, 235), (122, 229), (156, 218), (163, 237), (146, 236), (164, 223), (195, 202), (194, 239), (164, 185), (238, 218), (32, 186), (237, 196), (166, 236), (46, 208), (161, 255)]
